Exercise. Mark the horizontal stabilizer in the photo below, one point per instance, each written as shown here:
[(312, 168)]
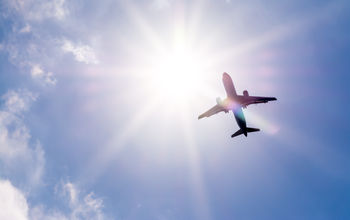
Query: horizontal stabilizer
[(239, 132), (252, 129), (248, 130)]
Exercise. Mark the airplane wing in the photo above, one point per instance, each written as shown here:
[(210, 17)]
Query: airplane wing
[(248, 100), (229, 87), (214, 110)]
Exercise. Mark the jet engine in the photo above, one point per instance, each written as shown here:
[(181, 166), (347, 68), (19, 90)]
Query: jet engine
[(245, 93), (218, 101)]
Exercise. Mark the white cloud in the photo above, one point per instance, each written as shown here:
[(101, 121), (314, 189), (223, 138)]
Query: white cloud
[(39, 10), (82, 53), (18, 101), (38, 73), (13, 204), (26, 29), (82, 206), (70, 191), (17, 155), (29, 46)]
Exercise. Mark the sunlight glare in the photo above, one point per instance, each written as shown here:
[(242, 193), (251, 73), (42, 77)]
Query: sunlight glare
[(176, 74)]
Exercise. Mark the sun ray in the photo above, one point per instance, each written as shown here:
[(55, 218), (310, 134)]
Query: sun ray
[(118, 141), (261, 122), (281, 31), (145, 28), (200, 197)]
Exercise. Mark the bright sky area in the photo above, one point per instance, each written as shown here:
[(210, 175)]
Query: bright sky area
[(99, 103)]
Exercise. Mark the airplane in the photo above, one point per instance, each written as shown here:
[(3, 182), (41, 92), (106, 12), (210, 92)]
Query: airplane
[(235, 103)]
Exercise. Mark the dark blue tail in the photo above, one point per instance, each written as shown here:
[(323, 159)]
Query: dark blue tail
[(248, 130)]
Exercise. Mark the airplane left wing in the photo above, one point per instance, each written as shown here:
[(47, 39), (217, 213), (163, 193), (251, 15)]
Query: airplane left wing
[(248, 100), (214, 110)]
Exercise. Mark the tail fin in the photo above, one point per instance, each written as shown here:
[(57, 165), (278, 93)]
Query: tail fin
[(240, 131)]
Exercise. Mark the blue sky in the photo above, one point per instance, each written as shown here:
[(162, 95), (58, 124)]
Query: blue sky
[(100, 99)]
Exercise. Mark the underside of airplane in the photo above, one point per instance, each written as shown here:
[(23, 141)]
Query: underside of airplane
[(235, 103)]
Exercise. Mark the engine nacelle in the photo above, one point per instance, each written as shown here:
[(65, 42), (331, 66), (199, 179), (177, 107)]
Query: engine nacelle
[(245, 93), (218, 100)]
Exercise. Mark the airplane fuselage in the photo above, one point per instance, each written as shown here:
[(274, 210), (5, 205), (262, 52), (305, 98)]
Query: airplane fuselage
[(229, 104), (240, 119)]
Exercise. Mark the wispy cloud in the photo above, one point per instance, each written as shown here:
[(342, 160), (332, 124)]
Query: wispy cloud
[(39, 74), (18, 101), (82, 53), (16, 205), (17, 155), (80, 206), (29, 46), (39, 10), (26, 29)]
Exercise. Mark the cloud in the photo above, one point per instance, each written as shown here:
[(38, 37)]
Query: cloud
[(13, 204), (82, 207), (26, 29), (82, 53), (18, 101), (38, 10), (38, 73), (29, 46), (26, 55), (79, 206), (17, 155), (19, 158)]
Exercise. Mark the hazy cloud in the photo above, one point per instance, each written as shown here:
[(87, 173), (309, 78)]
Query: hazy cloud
[(38, 10), (30, 47), (14, 205), (26, 29), (79, 206), (17, 155), (82, 53), (38, 73), (82, 206), (18, 101)]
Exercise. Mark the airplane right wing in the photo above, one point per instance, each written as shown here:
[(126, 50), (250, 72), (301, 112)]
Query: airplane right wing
[(248, 100), (214, 110)]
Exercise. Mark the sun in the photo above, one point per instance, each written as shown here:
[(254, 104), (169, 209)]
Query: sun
[(176, 73)]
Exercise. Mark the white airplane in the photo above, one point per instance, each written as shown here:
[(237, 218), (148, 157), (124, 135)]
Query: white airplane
[(235, 103)]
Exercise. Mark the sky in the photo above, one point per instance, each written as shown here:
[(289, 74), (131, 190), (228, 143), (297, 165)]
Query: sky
[(99, 103)]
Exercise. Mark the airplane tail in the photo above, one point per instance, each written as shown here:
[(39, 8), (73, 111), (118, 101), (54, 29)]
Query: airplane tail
[(248, 130)]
